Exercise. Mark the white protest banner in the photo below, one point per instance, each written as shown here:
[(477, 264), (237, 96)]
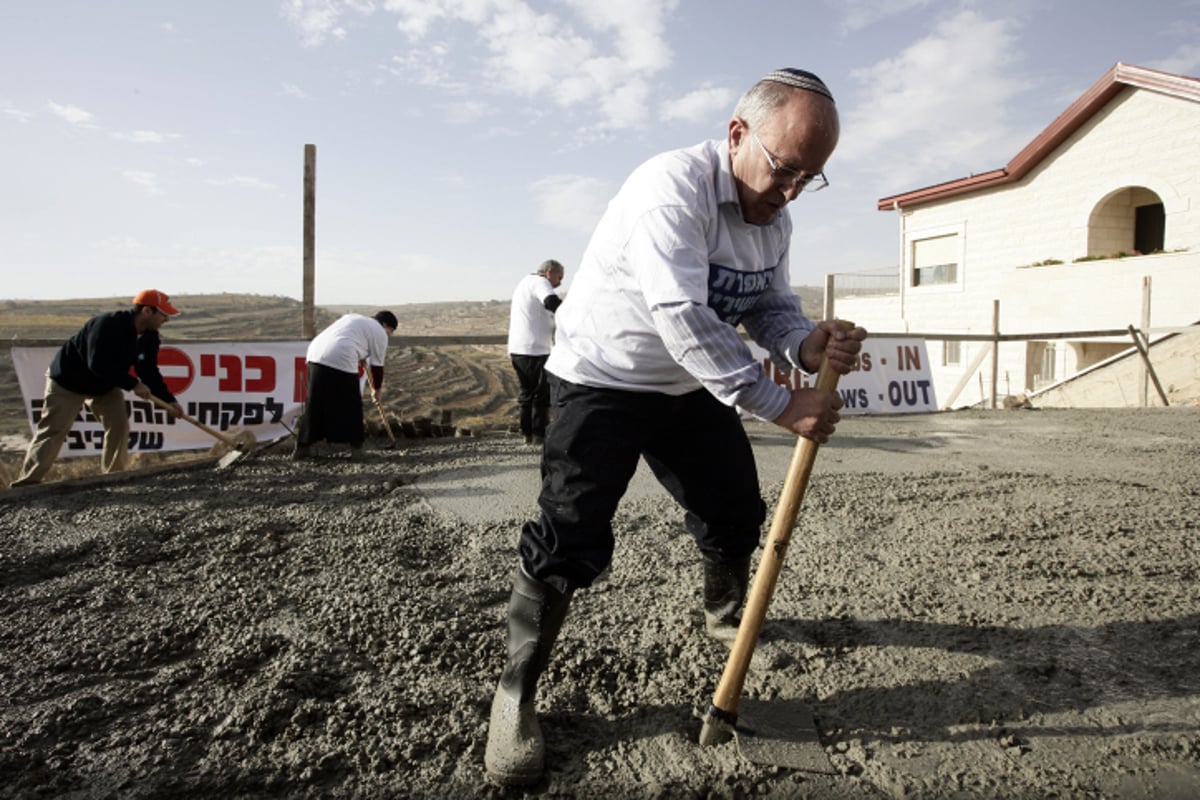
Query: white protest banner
[(229, 386), (892, 377)]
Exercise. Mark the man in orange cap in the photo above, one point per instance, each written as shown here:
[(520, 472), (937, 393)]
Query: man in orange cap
[(93, 367)]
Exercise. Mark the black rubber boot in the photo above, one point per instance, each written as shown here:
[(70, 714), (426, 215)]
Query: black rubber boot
[(516, 751), (725, 588)]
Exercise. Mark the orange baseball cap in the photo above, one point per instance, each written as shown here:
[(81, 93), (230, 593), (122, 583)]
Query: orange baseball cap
[(155, 299)]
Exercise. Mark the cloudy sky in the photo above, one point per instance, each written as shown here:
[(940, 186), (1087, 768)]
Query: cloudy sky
[(461, 142)]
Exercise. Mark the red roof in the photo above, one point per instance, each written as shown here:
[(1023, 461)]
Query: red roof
[(1095, 98)]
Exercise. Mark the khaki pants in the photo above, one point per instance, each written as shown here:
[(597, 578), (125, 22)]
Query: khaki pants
[(59, 410)]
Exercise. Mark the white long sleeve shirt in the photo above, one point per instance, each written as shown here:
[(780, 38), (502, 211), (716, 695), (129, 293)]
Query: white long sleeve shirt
[(530, 323), (671, 271), (350, 339)]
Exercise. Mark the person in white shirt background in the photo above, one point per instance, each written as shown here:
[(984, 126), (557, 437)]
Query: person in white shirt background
[(648, 363), (530, 336), (333, 409)]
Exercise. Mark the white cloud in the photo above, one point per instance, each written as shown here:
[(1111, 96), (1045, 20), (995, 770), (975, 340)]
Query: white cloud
[(639, 27), (147, 180), (72, 114), (598, 55), (244, 180), (859, 14), (571, 202), (940, 107), (603, 57), (292, 90), (17, 114), (425, 66), (530, 51), (416, 16), (700, 105), (146, 137), (1183, 61), (625, 106), (317, 20), (466, 112)]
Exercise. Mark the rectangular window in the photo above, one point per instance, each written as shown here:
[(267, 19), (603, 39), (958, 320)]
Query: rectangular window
[(935, 260), (951, 353), (1048, 359)]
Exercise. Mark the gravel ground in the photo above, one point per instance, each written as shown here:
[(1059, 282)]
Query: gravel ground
[(1003, 604)]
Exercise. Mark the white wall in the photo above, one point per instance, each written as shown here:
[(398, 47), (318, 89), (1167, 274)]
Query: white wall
[(1140, 139)]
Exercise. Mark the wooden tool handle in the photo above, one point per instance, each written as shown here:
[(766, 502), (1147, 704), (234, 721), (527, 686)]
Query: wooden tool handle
[(729, 690), (213, 433), (378, 404)]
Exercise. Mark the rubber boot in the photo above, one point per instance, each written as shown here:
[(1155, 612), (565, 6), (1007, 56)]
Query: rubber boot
[(516, 751), (725, 588)]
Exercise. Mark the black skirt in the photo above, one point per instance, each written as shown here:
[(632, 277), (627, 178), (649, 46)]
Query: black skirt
[(333, 411)]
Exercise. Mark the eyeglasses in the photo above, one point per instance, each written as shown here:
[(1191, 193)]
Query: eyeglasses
[(803, 181)]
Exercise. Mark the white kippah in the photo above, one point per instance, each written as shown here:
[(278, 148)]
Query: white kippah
[(799, 79)]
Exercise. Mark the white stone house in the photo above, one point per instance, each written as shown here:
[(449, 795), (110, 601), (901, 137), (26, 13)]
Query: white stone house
[(1093, 226)]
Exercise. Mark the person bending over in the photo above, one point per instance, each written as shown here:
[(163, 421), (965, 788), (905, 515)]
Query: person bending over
[(648, 363), (333, 410)]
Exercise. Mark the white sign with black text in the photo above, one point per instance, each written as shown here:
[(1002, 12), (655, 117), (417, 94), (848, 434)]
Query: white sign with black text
[(892, 377)]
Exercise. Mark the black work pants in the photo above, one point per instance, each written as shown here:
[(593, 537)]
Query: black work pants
[(333, 408), (696, 448), (534, 396)]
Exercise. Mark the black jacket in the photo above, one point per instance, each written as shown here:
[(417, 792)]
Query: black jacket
[(97, 358)]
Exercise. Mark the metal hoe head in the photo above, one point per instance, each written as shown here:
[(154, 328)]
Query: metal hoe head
[(243, 445), (781, 734)]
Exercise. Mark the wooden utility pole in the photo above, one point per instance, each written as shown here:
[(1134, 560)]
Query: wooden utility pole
[(995, 348), (309, 323)]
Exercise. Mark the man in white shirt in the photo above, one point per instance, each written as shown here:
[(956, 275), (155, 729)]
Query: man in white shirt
[(530, 335), (333, 407), (648, 363)]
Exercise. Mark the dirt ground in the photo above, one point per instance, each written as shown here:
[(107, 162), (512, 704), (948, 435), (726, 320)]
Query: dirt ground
[(975, 604)]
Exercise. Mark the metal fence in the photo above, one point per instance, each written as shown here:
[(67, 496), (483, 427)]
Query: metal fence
[(878, 281)]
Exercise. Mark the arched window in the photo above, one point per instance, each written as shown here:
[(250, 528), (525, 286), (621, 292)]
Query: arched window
[(1129, 221)]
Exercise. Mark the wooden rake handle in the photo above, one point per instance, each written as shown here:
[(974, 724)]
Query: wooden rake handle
[(729, 690), (375, 399), (213, 433)]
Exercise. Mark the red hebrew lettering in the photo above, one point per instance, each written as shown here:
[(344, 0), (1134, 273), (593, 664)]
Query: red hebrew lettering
[(265, 366), (232, 382)]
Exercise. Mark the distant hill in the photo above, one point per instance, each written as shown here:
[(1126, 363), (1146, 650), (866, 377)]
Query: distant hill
[(237, 316), (473, 382), (216, 316)]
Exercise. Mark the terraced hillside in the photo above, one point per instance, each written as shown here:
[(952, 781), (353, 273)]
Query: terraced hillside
[(471, 381)]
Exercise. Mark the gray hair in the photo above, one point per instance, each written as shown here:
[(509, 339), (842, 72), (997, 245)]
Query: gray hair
[(773, 91), (548, 266)]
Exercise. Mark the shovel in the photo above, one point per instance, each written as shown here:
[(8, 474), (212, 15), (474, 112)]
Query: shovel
[(375, 398), (782, 736), (239, 445)]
